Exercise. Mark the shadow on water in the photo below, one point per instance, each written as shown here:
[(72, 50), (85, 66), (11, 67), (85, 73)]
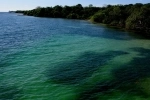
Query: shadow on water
[(5, 63), (8, 60), (81, 68), (91, 92), (138, 68), (9, 93), (125, 79)]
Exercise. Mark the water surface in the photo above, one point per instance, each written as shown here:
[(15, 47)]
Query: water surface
[(60, 59)]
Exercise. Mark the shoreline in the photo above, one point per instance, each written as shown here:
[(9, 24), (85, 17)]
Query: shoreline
[(138, 33), (131, 17), (145, 35)]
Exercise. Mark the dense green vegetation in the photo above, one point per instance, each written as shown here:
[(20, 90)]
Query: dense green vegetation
[(71, 12), (131, 17)]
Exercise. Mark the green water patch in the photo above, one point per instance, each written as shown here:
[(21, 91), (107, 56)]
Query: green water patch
[(72, 74), (110, 89), (81, 68), (135, 71), (8, 60), (10, 92), (129, 81), (143, 84), (138, 68)]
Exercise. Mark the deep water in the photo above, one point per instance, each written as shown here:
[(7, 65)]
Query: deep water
[(61, 59)]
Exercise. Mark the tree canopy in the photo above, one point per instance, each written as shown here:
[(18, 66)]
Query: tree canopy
[(132, 17), (72, 12)]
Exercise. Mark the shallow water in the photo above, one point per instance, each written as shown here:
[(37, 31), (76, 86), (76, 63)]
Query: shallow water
[(60, 59)]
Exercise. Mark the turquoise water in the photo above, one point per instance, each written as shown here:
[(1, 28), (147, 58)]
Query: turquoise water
[(60, 59)]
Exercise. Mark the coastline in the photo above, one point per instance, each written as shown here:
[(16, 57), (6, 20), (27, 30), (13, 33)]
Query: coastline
[(133, 32)]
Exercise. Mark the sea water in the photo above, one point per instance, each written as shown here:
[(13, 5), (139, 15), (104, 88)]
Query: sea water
[(61, 59)]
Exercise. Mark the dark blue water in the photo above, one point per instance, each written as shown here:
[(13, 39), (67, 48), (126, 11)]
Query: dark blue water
[(60, 59)]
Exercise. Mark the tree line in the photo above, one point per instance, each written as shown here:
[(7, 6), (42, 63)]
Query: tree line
[(131, 17), (70, 12)]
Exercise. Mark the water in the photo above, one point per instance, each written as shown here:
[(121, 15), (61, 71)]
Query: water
[(60, 59)]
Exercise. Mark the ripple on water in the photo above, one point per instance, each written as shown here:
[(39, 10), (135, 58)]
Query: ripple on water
[(59, 59)]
